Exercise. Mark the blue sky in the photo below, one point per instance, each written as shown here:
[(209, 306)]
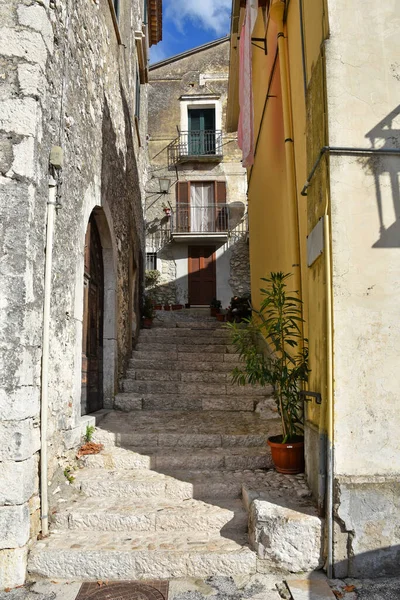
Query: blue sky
[(190, 23)]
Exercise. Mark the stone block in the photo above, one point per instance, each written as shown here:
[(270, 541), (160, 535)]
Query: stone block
[(19, 439), (13, 567), (36, 18), (19, 116), (19, 404), (14, 526), (286, 537), (31, 80), (24, 159), (23, 44), (18, 481)]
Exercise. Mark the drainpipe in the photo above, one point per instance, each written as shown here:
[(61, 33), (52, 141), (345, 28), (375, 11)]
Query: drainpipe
[(51, 206), (329, 393), (277, 11)]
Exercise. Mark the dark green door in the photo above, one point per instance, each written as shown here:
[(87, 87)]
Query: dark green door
[(201, 131)]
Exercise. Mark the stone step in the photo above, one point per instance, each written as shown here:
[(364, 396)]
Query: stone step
[(189, 333), (130, 438), (187, 347), (156, 514), (195, 429), (182, 458), (177, 429), (137, 484), (110, 556), (220, 388), (178, 375), (194, 355), (130, 401), (169, 342), (190, 366)]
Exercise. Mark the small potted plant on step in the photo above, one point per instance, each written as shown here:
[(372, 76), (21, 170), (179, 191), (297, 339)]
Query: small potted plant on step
[(284, 365), (215, 307), (148, 312)]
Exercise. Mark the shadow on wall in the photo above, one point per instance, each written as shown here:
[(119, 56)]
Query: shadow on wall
[(120, 190), (385, 135)]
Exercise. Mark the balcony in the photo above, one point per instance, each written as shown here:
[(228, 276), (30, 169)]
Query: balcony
[(199, 146)]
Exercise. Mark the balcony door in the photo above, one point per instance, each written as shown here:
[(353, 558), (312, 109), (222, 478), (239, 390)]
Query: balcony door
[(202, 275), (201, 207), (201, 132)]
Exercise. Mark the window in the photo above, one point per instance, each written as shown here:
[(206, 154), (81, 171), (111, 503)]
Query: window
[(137, 94), (201, 131), (201, 207), (116, 8), (151, 261)]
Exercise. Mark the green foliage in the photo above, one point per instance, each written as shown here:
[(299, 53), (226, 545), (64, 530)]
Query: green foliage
[(90, 429), (215, 303), (240, 308), (151, 278), (68, 474), (286, 365), (148, 311)]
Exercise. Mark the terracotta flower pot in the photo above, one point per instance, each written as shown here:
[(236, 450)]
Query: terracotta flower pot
[(289, 457), (177, 306), (147, 323), (220, 317), (167, 307), (213, 311), (158, 307)]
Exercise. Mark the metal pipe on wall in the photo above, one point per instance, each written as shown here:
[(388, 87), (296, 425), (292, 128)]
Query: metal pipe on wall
[(277, 11), (51, 207)]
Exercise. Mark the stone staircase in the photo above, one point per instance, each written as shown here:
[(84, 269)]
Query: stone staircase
[(164, 497)]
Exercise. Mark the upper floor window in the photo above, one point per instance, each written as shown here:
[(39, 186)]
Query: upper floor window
[(116, 8), (137, 94)]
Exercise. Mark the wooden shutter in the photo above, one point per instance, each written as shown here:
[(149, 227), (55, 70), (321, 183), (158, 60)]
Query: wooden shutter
[(182, 206), (221, 212)]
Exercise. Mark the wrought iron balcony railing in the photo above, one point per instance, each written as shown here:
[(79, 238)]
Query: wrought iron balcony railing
[(209, 218), (195, 145)]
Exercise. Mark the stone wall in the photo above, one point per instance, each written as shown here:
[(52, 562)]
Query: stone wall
[(65, 81)]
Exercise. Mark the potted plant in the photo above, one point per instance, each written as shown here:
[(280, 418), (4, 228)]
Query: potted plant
[(215, 306), (239, 309), (284, 365), (148, 312), (221, 315), (167, 210)]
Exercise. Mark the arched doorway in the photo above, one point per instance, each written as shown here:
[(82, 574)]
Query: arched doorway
[(93, 311)]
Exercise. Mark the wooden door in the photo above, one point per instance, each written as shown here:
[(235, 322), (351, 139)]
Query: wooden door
[(92, 338), (202, 274)]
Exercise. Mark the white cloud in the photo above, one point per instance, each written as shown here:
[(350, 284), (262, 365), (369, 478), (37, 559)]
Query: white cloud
[(208, 14), (158, 53)]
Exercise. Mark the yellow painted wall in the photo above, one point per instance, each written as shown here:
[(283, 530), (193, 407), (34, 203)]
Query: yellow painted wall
[(274, 235)]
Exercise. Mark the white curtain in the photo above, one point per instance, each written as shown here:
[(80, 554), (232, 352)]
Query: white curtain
[(201, 206)]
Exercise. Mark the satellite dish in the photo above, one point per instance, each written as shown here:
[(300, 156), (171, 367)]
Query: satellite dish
[(236, 213)]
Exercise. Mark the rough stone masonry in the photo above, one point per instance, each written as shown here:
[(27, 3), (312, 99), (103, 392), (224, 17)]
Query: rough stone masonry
[(68, 77)]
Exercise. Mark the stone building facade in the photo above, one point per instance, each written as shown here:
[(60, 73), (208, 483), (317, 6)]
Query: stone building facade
[(197, 231), (72, 76)]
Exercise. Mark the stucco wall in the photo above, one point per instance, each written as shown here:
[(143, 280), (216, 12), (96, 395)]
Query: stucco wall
[(363, 111), (65, 81)]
